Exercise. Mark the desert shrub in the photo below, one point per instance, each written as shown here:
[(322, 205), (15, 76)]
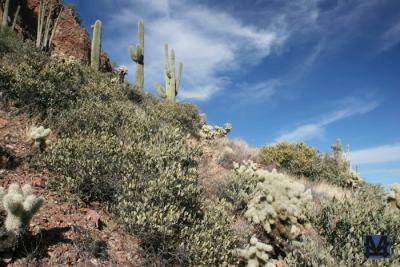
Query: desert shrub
[(343, 223), (231, 151), (297, 159), (338, 173), (40, 86), (393, 197), (180, 115), (211, 240), (239, 185), (310, 253), (89, 166), (11, 43)]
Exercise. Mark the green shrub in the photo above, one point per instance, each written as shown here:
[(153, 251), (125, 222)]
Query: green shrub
[(329, 169), (180, 115), (89, 166), (311, 252), (230, 151), (39, 86), (343, 223), (297, 159)]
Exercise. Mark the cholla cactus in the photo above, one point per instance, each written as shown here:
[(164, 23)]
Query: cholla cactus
[(37, 137), (354, 179), (20, 205), (210, 132), (256, 253), (121, 72), (247, 167), (278, 199), (393, 197)]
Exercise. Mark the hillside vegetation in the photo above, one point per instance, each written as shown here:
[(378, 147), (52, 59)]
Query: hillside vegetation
[(191, 201)]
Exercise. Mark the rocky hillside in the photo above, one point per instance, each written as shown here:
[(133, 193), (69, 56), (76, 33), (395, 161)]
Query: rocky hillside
[(95, 171)]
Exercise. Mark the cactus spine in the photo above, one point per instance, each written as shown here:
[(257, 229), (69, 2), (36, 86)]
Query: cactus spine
[(96, 46), (15, 18), (172, 80), (137, 55), (4, 23)]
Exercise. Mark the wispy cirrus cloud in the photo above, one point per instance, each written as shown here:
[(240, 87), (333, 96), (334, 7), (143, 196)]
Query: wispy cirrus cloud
[(390, 38), (348, 107), (259, 91)]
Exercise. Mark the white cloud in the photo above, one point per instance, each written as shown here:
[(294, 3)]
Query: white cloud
[(390, 38), (349, 107), (379, 154), (260, 91), (209, 43)]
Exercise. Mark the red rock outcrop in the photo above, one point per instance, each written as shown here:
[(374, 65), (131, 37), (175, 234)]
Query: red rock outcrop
[(69, 39)]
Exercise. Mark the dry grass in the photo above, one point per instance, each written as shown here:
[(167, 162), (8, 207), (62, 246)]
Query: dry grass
[(327, 190)]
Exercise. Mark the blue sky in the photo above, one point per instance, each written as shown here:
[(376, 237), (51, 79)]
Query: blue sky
[(296, 70)]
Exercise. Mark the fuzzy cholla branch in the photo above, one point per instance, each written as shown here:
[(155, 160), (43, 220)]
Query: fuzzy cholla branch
[(256, 253), (37, 137), (210, 132), (20, 205)]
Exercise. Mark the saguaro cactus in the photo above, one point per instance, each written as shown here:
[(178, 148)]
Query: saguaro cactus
[(4, 23), (172, 81), (338, 150), (137, 55), (41, 16), (96, 46), (15, 18), (44, 25), (20, 205)]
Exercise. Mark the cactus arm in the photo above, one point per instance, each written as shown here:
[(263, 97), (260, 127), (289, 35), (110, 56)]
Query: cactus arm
[(13, 203), (4, 23), (178, 78), (55, 26), (26, 190), (15, 18), (40, 23), (32, 204), (132, 53), (48, 27), (166, 60), (160, 90), (96, 46), (137, 55)]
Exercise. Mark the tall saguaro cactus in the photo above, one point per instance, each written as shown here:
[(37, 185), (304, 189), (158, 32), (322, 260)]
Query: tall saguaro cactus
[(137, 55), (4, 23), (44, 25), (172, 80), (41, 17), (96, 46)]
